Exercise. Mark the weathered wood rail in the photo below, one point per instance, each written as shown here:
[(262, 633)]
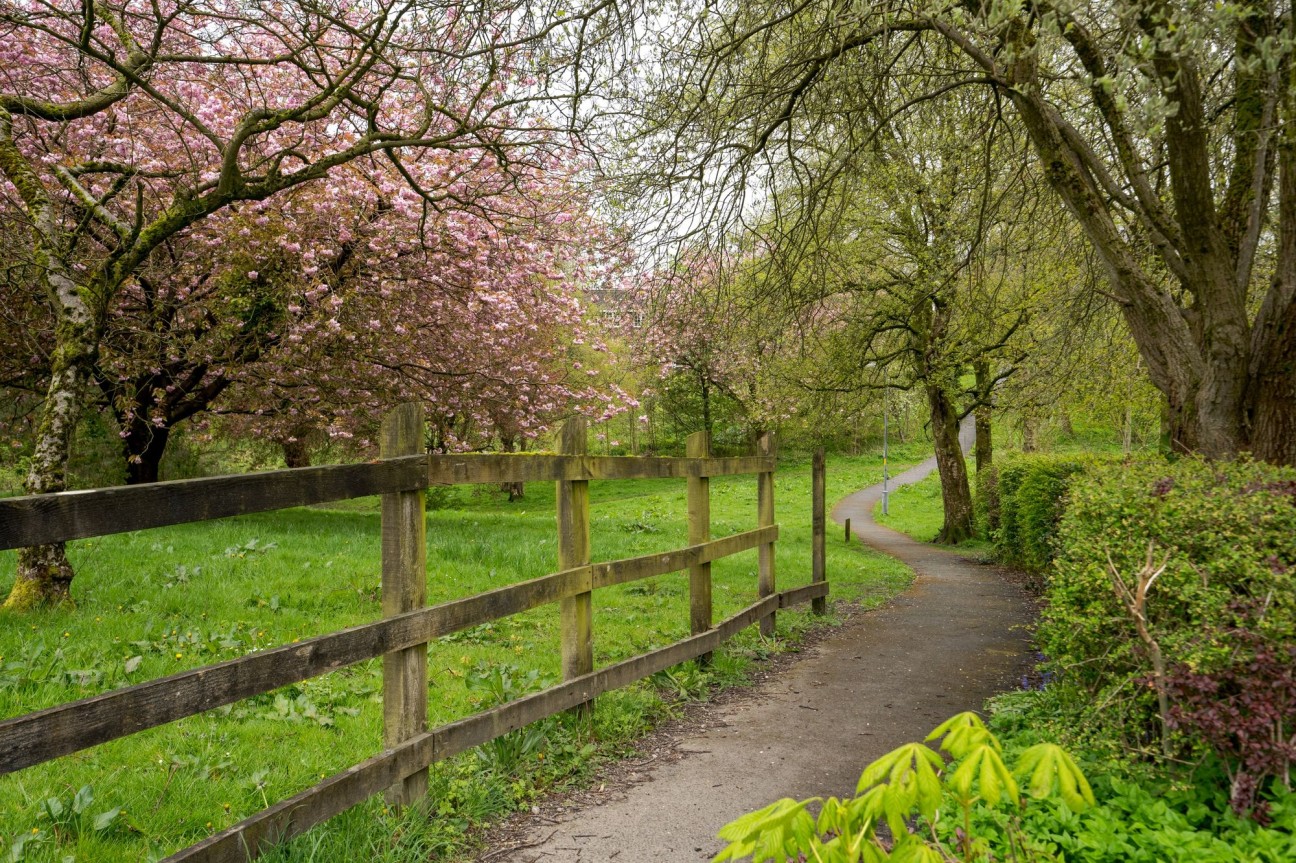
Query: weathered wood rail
[(402, 635)]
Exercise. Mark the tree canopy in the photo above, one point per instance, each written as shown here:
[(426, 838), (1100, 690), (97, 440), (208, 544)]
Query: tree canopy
[(1165, 128)]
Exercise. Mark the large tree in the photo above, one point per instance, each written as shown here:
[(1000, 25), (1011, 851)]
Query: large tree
[(933, 265), (1168, 129), (124, 126)]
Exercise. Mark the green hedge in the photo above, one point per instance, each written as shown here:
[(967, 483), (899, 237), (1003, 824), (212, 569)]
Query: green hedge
[(1227, 534), (1020, 502)]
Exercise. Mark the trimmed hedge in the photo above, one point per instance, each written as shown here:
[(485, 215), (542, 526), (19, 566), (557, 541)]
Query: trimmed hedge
[(1020, 502), (1226, 532)]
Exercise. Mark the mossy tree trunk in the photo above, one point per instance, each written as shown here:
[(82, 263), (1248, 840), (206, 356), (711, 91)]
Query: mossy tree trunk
[(984, 392), (956, 493), (930, 341), (44, 575)]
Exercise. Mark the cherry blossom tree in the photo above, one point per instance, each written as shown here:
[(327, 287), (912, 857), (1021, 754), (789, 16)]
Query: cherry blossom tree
[(309, 313), (125, 128), (709, 344)]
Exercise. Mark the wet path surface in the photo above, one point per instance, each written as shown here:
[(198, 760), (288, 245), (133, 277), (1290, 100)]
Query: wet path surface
[(886, 677)]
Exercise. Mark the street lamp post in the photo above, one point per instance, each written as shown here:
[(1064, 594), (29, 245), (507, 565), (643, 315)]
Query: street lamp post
[(885, 475)]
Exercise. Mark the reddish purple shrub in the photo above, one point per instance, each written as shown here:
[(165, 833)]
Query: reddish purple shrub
[(1244, 710)]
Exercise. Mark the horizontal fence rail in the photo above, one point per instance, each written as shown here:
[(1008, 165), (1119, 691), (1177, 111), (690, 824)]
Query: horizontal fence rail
[(42, 518), (458, 469), (401, 637)]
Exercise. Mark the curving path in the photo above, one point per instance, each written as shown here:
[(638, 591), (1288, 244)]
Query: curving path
[(955, 637)]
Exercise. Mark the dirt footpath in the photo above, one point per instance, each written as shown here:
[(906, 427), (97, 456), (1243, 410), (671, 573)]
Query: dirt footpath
[(887, 677)]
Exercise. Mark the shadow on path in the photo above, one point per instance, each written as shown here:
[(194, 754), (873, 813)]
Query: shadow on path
[(885, 678)]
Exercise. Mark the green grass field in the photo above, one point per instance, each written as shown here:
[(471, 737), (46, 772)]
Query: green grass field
[(155, 602)]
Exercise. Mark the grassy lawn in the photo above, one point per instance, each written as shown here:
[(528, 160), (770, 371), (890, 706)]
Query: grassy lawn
[(156, 602)]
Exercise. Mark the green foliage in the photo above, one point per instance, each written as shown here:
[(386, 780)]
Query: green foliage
[(1225, 531), (910, 786), (61, 822), (1019, 503), (498, 683), (1152, 822)]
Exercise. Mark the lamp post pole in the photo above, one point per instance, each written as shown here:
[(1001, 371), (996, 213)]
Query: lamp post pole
[(885, 475)]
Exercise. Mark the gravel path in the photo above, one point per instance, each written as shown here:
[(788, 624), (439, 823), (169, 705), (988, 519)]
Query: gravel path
[(955, 637)]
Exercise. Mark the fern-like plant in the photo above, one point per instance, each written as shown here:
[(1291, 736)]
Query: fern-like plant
[(906, 790)]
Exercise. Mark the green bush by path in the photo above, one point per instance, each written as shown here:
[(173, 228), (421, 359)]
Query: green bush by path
[(1225, 532), (1209, 548), (156, 602), (1019, 502)]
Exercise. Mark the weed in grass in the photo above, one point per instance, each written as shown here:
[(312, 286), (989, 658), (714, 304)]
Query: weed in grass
[(685, 681), (496, 684)]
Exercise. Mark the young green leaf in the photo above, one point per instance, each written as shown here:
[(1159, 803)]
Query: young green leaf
[(962, 733), (1048, 764), (81, 802), (984, 767), (893, 766), (766, 834)]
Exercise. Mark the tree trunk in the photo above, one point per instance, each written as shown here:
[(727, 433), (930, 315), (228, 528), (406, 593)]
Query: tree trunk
[(1196, 358), (295, 451), (1273, 403), (1028, 434), (516, 490), (706, 404), (1065, 422), (956, 494), (984, 441), (144, 445), (44, 574)]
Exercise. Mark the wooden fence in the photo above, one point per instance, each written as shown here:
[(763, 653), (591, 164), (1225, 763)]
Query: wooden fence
[(408, 624)]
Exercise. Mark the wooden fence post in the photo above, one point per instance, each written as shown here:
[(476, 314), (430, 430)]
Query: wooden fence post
[(698, 445), (576, 612), (766, 446), (404, 588), (847, 540), (818, 540)]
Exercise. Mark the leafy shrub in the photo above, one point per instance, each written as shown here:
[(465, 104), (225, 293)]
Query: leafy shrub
[(1147, 820), (1020, 502), (1224, 531), (1245, 711)]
